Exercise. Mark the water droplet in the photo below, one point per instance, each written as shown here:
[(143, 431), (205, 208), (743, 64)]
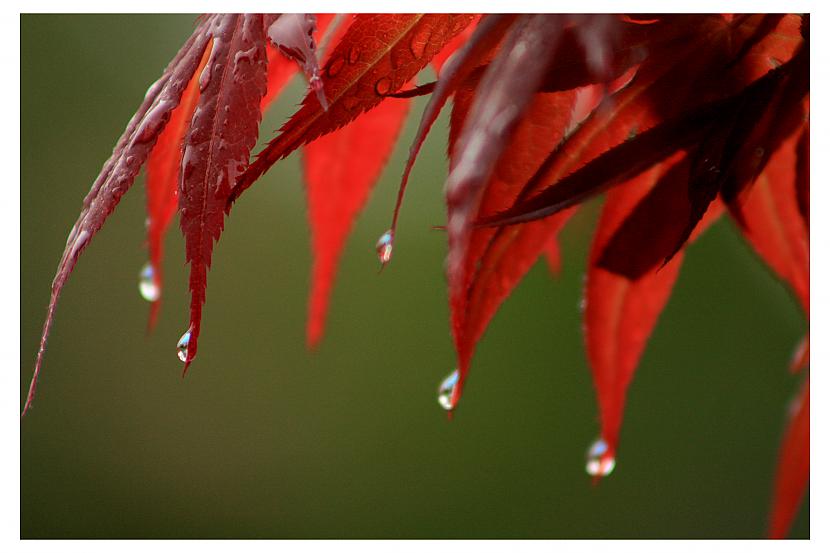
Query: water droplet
[(446, 391), (599, 460), (335, 66), (147, 285), (184, 342), (419, 42), (354, 54), (384, 247), (383, 86), (316, 84), (204, 77)]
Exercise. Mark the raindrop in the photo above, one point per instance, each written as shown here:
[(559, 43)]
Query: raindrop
[(184, 342), (446, 391), (316, 84), (384, 247), (383, 86), (335, 66), (147, 286), (204, 77), (354, 54), (599, 460)]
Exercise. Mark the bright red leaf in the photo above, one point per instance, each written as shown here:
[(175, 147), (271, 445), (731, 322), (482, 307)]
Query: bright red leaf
[(793, 471), (340, 170), (376, 57)]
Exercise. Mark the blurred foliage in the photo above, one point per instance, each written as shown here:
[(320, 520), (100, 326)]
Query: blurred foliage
[(266, 439)]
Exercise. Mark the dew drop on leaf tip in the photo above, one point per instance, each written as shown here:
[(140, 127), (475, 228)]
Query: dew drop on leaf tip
[(147, 286), (184, 342), (446, 391), (384, 247), (599, 460)]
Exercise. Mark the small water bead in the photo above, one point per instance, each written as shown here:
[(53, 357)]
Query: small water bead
[(446, 391), (384, 247), (599, 460), (354, 54), (147, 285), (383, 86), (335, 66), (316, 84), (182, 346)]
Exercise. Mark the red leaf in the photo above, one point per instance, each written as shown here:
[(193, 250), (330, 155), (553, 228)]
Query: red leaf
[(502, 97), (773, 222), (162, 184), (121, 168), (793, 471), (377, 56), (453, 46), (490, 272), (620, 313), (680, 78), (217, 148), (476, 51), (340, 169), (553, 256)]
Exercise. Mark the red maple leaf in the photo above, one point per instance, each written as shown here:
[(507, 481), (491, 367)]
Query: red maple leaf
[(677, 118)]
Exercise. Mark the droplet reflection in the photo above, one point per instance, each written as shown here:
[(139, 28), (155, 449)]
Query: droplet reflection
[(384, 247), (147, 285), (599, 460), (184, 342), (446, 391)]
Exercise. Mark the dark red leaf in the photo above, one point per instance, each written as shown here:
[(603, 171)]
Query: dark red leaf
[(162, 184), (217, 148), (378, 55), (620, 313), (793, 471), (802, 175), (682, 77), (475, 52), (120, 170)]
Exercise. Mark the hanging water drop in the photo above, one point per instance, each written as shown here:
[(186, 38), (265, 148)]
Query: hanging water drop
[(384, 247), (147, 285), (600, 459), (446, 391), (184, 342)]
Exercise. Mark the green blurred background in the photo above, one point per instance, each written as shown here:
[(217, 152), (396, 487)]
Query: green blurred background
[(266, 439)]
